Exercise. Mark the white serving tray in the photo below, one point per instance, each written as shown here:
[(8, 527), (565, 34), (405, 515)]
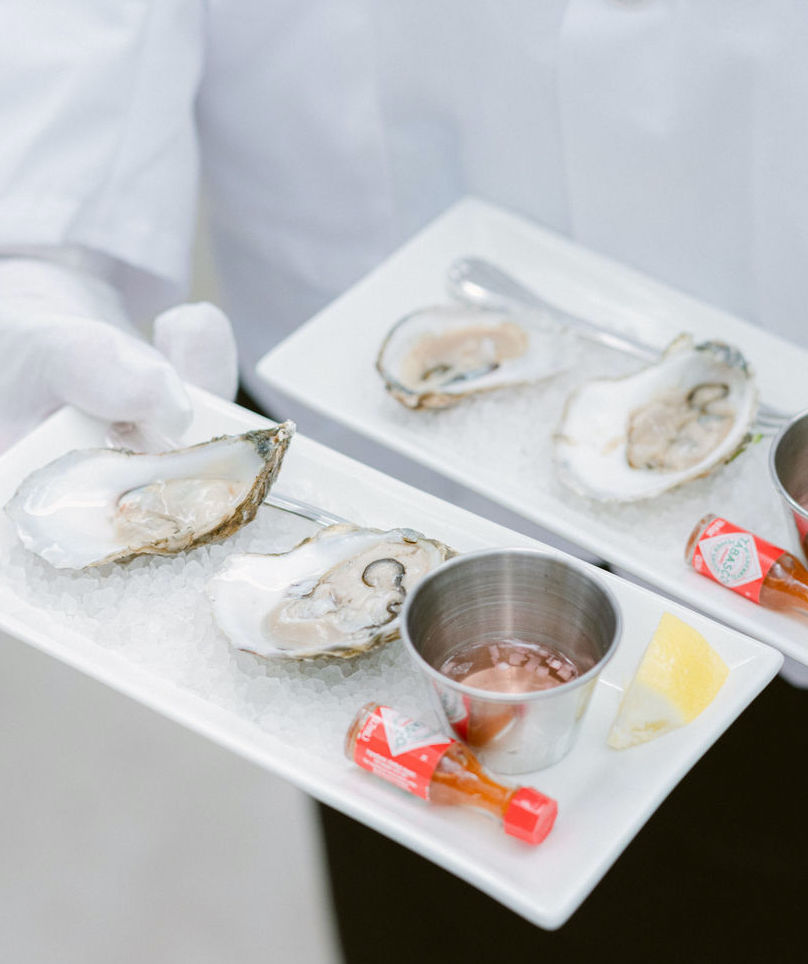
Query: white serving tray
[(604, 796), (328, 364)]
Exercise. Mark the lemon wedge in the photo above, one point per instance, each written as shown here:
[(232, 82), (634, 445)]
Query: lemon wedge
[(680, 674)]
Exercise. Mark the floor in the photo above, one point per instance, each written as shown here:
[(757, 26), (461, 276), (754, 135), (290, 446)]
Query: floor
[(125, 839)]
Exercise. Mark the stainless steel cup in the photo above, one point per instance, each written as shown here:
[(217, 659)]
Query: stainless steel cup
[(525, 594), (788, 461)]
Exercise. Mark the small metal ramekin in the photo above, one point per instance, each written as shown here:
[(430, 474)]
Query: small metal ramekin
[(788, 462), (530, 595)]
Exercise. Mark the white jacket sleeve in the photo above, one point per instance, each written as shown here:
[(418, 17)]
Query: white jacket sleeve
[(99, 146)]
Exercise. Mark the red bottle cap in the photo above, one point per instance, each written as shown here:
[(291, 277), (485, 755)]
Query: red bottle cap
[(530, 815)]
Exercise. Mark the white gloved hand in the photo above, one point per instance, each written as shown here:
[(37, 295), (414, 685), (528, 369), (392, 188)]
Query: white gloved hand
[(198, 341), (55, 350)]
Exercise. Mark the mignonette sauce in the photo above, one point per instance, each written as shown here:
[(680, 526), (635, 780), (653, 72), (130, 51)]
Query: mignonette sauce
[(506, 665)]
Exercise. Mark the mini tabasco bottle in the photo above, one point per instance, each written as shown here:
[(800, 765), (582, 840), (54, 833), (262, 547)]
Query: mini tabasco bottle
[(747, 564), (443, 770)]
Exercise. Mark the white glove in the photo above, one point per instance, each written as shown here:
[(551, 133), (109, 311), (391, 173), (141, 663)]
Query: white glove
[(55, 350), (198, 341)]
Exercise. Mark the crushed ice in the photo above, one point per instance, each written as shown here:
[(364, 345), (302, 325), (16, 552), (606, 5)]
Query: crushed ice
[(154, 612), (504, 440)]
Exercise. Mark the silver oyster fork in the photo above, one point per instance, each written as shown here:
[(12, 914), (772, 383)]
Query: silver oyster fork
[(481, 283), (143, 438)]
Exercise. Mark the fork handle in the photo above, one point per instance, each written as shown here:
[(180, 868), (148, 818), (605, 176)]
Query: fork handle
[(138, 437), (481, 283)]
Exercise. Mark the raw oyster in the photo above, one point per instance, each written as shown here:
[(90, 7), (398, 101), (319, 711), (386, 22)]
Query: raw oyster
[(94, 506), (623, 439), (337, 594), (435, 357)]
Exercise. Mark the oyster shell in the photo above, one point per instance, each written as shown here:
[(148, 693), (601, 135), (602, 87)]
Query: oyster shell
[(338, 593), (93, 506), (435, 357), (624, 439)]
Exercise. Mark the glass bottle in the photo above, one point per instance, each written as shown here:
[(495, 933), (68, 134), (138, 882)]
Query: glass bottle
[(747, 564), (443, 770)]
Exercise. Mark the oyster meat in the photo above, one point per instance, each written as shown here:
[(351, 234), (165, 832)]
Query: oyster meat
[(435, 357), (94, 506), (623, 439), (337, 594)]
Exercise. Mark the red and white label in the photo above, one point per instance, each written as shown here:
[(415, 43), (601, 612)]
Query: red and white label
[(734, 557), (400, 750), (802, 525), (457, 707)]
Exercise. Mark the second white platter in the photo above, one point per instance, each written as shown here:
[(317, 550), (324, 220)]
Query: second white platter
[(500, 445)]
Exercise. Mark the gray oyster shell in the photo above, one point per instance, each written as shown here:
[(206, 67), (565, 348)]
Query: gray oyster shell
[(337, 593)]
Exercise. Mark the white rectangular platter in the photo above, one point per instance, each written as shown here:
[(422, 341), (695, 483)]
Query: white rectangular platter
[(500, 444), (167, 655)]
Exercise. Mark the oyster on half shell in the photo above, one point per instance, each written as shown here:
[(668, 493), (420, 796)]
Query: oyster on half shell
[(624, 439), (337, 593), (94, 506), (435, 357)]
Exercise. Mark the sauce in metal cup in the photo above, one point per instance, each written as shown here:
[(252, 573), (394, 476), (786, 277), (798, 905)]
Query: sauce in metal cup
[(788, 462), (525, 594)]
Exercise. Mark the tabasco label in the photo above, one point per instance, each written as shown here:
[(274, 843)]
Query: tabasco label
[(457, 707), (734, 557), (400, 750), (802, 525)]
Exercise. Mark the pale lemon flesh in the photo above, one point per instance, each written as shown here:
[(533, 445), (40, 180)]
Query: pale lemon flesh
[(678, 677)]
